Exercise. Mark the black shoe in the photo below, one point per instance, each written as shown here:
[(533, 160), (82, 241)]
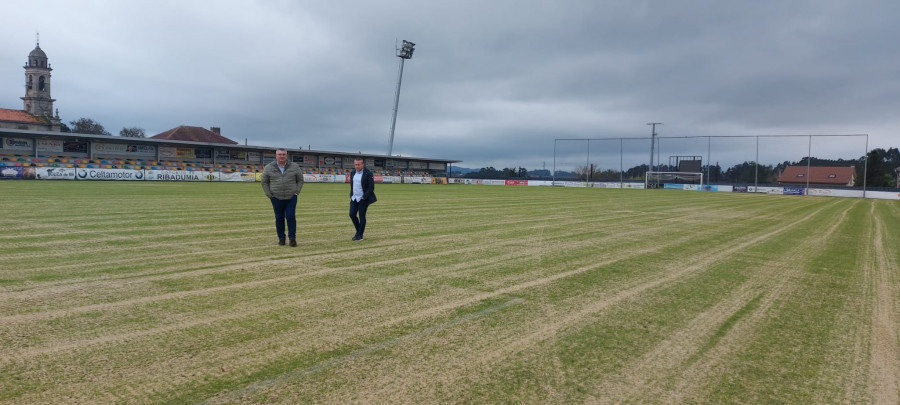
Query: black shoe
[(280, 242), (355, 238), (293, 242)]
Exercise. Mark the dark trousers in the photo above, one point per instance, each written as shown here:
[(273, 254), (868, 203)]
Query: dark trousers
[(359, 223), (285, 211)]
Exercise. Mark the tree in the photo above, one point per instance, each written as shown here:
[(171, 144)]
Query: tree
[(133, 132), (877, 174), (88, 126)]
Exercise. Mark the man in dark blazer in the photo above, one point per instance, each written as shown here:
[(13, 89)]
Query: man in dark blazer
[(362, 194)]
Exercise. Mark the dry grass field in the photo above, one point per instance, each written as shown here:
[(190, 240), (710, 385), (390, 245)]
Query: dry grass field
[(140, 292)]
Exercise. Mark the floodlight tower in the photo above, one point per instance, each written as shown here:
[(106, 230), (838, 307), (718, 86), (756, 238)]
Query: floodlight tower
[(652, 142), (404, 53)]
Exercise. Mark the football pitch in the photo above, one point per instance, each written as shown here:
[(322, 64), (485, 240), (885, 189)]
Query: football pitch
[(145, 292)]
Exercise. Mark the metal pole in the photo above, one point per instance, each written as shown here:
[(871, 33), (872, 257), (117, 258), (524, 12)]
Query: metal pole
[(866, 167), (652, 142), (756, 173), (396, 105), (708, 159), (587, 167), (808, 161), (621, 166), (553, 178)]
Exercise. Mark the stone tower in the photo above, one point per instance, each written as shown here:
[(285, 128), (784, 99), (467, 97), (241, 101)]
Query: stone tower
[(37, 85)]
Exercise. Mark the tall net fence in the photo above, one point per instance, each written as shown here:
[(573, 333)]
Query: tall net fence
[(757, 160)]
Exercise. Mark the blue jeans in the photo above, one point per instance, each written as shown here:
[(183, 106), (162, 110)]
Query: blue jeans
[(285, 210), (359, 223)]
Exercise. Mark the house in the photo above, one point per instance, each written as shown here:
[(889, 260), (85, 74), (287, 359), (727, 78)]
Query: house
[(819, 175), (194, 134)]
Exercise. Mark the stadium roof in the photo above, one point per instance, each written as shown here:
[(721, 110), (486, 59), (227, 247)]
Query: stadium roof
[(193, 134), (835, 175)]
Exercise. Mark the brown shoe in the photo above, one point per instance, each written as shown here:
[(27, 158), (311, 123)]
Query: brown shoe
[(293, 242), (280, 242)]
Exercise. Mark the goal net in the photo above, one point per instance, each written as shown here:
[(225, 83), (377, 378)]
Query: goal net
[(660, 179)]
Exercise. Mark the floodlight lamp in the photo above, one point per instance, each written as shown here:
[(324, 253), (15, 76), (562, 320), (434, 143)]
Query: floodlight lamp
[(407, 50)]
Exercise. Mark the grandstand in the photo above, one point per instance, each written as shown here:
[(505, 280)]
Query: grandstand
[(39, 149)]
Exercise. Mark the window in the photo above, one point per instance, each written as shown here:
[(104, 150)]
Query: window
[(801, 175), (41, 83)]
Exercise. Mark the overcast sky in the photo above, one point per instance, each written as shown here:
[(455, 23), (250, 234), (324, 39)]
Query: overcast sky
[(491, 83)]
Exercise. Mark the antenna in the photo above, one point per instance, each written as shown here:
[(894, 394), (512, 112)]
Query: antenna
[(37, 38)]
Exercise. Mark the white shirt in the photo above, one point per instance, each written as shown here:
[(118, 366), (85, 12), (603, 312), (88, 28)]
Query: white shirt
[(357, 187)]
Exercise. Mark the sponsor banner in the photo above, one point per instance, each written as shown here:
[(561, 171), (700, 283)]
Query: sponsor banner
[(11, 144), (55, 173), (400, 164), (516, 182), (240, 155), (493, 182), (418, 180), (329, 161), (793, 191), (437, 166), (679, 186), (15, 172), (180, 175), (109, 174), (391, 179), (254, 156), (542, 183), (766, 190), (708, 188), (883, 195), (222, 154), (348, 161), (185, 153), (75, 147), (614, 184), (740, 189), (326, 178), (827, 192), (307, 160), (417, 165), (438, 180), (108, 148), (103, 148), (246, 177), (49, 145), (203, 153), (167, 152)]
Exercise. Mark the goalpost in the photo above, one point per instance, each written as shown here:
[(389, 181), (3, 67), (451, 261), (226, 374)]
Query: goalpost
[(659, 179)]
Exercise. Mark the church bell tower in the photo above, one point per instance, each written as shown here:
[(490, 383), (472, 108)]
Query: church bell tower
[(37, 84)]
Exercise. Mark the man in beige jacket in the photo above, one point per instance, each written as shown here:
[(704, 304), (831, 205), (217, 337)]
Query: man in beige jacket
[(282, 181)]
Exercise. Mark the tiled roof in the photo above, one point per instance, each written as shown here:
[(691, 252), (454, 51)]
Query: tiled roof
[(819, 175), (193, 134), (17, 116)]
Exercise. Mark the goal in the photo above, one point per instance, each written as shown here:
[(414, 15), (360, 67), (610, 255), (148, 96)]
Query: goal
[(660, 179)]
